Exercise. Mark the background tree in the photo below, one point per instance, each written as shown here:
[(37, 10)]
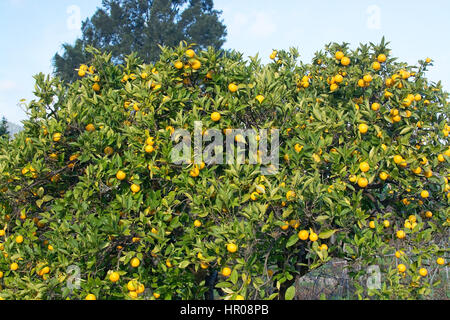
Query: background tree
[(4, 127), (125, 26)]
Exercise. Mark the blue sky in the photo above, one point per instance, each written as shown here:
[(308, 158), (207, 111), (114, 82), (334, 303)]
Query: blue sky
[(32, 31)]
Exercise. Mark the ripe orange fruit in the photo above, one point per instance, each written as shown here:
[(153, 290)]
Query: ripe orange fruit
[(215, 116), (260, 98), (57, 136), (399, 253), (232, 248), (334, 87), (121, 175), (367, 78), (375, 106), (364, 166), (140, 288), (339, 55), (401, 234), (190, 53), (178, 65), (361, 83), (384, 176), (417, 170), (195, 172), (196, 65), (339, 78), (114, 277), (363, 128), (226, 272), (313, 237), (149, 149), (232, 87), (90, 297), (398, 159), (303, 235), (363, 182), (96, 87), (401, 268), (397, 118), (133, 294), (254, 196), (290, 195), (428, 214), (386, 223), (19, 239), (345, 61), (135, 262), (381, 58), (197, 223), (372, 224), (440, 261), (298, 148), (90, 127), (376, 66), (132, 285), (352, 178), (424, 194), (405, 74), (423, 272), (273, 55), (135, 188)]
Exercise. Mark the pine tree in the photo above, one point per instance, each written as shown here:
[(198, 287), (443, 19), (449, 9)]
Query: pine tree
[(125, 26), (4, 128)]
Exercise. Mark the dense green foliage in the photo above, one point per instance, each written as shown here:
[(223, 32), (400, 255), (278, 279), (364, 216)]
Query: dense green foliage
[(363, 175)]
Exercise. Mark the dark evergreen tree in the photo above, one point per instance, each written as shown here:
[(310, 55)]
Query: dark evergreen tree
[(125, 26), (4, 127)]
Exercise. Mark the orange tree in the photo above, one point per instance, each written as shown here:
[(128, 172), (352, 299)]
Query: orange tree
[(89, 184)]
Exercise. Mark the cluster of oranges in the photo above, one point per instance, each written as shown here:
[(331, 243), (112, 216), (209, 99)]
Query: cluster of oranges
[(84, 70), (359, 132)]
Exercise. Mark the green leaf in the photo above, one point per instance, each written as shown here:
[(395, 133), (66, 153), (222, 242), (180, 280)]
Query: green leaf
[(290, 293), (234, 276), (327, 234), (222, 285), (406, 130), (321, 219), (292, 240), (184, 264)]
